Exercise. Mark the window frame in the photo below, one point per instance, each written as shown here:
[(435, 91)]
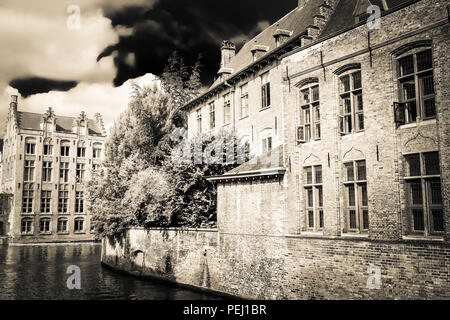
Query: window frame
[(28, 198), (360, 204), (265, 91), (350, 120), (76, 225), (316, 205), (47, 168), (46, 201), (416, 76), (46, 222), (212, 115), (66, 229), (79, 202), (426, 205), (199, 120), (310, 113), (29, 226), (244, 106), (227, 118)]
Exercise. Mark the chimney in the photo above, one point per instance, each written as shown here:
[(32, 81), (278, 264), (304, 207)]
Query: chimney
[(13, 103), (228, 52)]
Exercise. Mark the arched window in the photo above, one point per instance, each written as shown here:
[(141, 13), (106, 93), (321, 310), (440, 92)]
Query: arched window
[(27, 226), (48, 147), (266, 140), (79, 225), (62, 225), (44, 225), (30, 146), (309, 128), (65, 148), (351, 118), (415, 84), (81, 149), (97, 150)]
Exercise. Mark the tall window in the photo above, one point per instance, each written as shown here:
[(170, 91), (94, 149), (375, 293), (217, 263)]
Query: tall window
[(65, 148), (47, 171), (64, 172), (27, 198), (227, 109), (79, 225), (62, 225), (416, 84), (48, 147), (30, 146), (80, 172), (27, 226), (265, 90), (266, 144), (28, 172), (46, 197), (309, 114), (44, 225), (355, 184), (79, 202), (244, 101), (351, 103), (199, 120), (63, 198), (314, 198), (424, 194), (97, 151), (212, 115), (81, 150)]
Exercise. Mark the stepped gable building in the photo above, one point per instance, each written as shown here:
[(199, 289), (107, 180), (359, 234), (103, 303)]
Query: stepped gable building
[(349, 123), (46, 160)]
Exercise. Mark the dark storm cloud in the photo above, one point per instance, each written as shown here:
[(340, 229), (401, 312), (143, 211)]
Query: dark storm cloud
[(190, 27), (34, 85)]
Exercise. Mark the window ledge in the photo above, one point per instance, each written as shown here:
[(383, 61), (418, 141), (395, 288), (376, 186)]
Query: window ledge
[(264, 109), (355, 235), (311, 142), (45, 233), (423, 238), (418, 124), (62, 232), (353, 135), (311, 233), (246, 117), (79, 232)]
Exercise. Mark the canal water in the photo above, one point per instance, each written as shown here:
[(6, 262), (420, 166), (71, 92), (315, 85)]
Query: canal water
[(39, 272)]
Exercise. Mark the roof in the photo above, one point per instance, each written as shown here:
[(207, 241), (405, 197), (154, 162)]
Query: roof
[(296, 21), (343, 18), (269, 165), (30, 120)]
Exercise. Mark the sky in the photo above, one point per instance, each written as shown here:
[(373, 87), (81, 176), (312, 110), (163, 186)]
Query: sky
[(75, 55)]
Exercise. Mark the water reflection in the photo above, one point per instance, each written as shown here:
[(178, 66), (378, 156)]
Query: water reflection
[(39, 272)]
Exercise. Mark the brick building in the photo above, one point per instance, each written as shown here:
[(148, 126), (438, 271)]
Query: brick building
[(351, 151), (46, 160)]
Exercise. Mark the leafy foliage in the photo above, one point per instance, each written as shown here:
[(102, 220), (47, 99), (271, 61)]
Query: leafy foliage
[(140, 183)]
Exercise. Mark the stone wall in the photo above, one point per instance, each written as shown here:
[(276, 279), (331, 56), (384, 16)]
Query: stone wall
[(284, 267)]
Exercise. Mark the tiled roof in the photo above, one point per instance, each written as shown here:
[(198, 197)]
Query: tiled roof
[(29, 120), (296, 21), (343, 18), (267, 165)]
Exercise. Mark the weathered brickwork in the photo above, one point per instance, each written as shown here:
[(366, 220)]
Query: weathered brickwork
[(382, 144), (296, 267), (278, 240)]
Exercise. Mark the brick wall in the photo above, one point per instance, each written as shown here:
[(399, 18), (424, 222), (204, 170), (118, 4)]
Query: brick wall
[(283, 267)]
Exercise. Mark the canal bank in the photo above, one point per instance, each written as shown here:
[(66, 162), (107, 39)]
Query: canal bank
[(31, 272), (284, 267)]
